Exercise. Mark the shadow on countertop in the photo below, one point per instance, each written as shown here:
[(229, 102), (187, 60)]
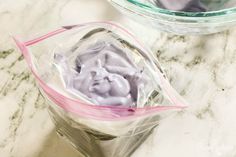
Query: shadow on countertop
[(55, 146)]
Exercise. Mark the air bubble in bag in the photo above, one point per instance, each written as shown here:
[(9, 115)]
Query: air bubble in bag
[(99, 130)]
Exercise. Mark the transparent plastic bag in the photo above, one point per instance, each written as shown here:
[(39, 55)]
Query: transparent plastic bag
[(96, 129)]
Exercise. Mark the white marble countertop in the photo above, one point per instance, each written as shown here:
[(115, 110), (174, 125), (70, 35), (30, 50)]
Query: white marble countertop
[(201, 68)]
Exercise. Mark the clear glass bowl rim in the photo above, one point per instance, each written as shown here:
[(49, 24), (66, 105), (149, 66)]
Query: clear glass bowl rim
[(156, 10)]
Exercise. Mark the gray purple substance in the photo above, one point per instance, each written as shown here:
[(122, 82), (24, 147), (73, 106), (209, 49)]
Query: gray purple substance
[(181, 5), (106, 75)]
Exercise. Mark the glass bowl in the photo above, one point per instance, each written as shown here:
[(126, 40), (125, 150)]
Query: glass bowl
[(220, 16)]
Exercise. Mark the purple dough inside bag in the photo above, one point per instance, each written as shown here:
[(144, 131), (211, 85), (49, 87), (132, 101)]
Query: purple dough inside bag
[(106, 91)]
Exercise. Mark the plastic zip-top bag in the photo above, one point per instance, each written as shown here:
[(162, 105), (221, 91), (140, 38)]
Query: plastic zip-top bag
[(106, 91)]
